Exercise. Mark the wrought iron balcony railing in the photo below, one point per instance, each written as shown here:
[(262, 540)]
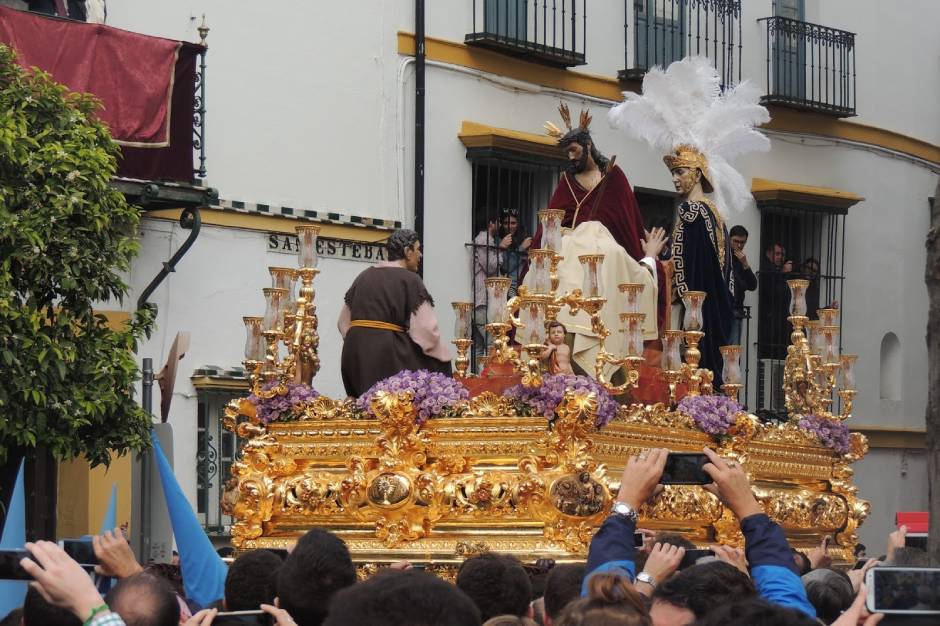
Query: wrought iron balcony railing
[(810, 67), (551, 32), (669, 30)]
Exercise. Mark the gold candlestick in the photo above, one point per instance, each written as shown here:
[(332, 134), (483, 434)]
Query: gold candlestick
[(672, 377), (847, 395), (532, 373), (692, 358), (462, 362)]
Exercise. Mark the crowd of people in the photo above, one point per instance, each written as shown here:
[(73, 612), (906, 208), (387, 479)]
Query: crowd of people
[(767, 582)]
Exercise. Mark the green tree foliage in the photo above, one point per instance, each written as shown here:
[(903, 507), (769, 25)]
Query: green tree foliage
[(66, 235)]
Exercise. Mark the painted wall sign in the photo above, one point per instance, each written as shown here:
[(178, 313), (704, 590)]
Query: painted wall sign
[(330, 248)]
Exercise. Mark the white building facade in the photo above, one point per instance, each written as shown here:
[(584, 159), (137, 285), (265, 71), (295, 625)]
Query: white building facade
[(311, 106)]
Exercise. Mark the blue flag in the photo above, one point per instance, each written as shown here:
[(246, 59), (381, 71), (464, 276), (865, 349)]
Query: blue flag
[(13, 592), (204, 570)]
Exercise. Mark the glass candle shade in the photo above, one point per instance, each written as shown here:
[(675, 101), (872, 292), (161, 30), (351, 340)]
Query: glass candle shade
[(540, 267), (497, 288), (848, 371), (275, 301), (462, 314), (284, 278), (672, 342), (798, 287), (812, 335), (533, 317), (550, 220), (592, 264), (827, 317), (254, 340), (731, 370), (819, 374), (632, 292), (632, 324), (830, 344), (307, 245), (692, 320)]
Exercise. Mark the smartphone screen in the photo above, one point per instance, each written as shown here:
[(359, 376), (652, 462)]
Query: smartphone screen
[(10, 568), (685, 468), (914, 590), (82, 551), (638, 540)]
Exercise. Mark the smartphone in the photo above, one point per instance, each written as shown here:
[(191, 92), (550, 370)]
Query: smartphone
[(685, 468), (638, 540), (909, 590), (691, 556), (10, 568), (237, 613), (81, 550)]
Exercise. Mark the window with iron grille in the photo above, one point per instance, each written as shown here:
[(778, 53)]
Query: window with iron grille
[(509, 188), (216, 450), (797, 241)]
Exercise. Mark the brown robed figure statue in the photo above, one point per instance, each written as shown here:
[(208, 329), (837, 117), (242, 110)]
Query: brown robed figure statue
[(602, 216)]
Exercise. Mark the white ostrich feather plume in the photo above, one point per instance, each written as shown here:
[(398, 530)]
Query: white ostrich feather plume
[(683, 104)]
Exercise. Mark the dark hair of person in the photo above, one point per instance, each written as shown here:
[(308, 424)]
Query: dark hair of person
[(563, 586), (830, 592), (738, 231), (611, 601), (409, 598), (144, 600), (317, 568), (497, 584), (484, 217), (510, 620), (859, 548), (251, 580), (173, 574), (584, 138), (556, 324), (13, 618), (37, 612), (703, 587), (752, 611), (520, 234), (802, 562), (398, 241)]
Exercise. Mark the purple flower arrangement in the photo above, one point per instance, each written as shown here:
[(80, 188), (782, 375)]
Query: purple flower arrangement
[(713, 414), (281, 406), (434, 393), (832, 434), (546, 397)]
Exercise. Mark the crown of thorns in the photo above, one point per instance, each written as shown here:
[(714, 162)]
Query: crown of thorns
[(583, 125)]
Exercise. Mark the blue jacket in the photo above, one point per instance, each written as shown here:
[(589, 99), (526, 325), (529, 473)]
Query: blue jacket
[(772, 567)]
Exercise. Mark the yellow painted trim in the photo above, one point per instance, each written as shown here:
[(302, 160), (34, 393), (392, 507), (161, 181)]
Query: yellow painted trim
[(273, 224), (894, 437), (764, 189), (116, 319), (476, 135), (210, 382), (495, 63), (607, 88)]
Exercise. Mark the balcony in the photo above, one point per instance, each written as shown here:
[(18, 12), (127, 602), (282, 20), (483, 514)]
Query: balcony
[(810, 67), (669, 30), (550, 32)]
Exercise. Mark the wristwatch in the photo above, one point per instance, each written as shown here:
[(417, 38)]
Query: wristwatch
[(624, 510), (643, 577)]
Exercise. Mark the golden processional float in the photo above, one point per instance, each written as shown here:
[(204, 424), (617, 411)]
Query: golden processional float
[(418, 469)]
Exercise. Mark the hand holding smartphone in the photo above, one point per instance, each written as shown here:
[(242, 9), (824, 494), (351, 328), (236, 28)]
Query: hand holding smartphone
[(903, 590)]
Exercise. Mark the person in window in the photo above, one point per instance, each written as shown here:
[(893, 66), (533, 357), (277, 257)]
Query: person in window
[(744, 280), (774, 299), (388, 322), (516, 244), (488, 256), (74, 9)]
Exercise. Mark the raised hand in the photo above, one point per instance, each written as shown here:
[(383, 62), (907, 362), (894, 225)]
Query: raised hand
[(663, 560), (641, 475), (115, 556), (654, 241), (731, 485), (60, 580), (732, 556), (896, 540)]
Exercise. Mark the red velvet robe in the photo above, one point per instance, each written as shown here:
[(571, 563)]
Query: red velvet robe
[(613, 204)]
